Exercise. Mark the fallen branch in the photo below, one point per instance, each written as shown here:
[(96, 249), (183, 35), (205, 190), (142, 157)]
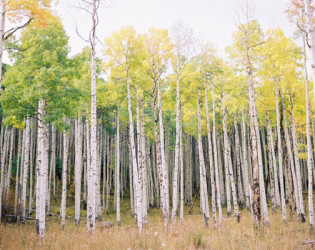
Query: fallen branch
[(307, 242)]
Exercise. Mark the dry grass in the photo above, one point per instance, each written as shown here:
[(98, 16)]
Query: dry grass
[(191, 235)]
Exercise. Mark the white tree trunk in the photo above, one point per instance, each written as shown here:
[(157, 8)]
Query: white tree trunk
[(181, 159), (292, 167), (64, 177), (41, 170), (311, 36), (17, 168), (3, 154), (213, 202), (275, 171), (144, 170), (93, 165), (226, 154), (256, 206), (215, 154), (271, 165), (310, 160), (245, 163), (78, 167), (88, 151), (139, 158), (261, 170), (204, 203), (26, 164), (284, 213), (7, 182), (176, 160), (238, 162), (297, 164), (117, 169), (163, 163), (134, 160), (52, 160)]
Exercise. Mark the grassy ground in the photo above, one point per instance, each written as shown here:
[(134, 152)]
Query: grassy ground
[(191, 235)]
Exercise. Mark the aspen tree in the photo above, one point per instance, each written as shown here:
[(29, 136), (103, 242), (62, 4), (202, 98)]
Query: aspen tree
[(226, 154), (181, 159), (7, 182), (215, 154), (310, 159), (204, 203), (64, 177), (182, 40), (310, 34), (26, 165), (78, 167), (284, 215), (245, 162), (91, 206), (117, 168), (271, 164), (297, 164)]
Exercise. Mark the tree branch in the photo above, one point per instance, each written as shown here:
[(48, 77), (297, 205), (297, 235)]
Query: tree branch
[(11, 31)]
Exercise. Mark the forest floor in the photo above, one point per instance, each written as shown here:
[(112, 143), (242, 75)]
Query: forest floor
[(191, 235)]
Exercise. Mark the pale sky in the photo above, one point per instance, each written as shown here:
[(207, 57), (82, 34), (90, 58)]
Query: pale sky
[(213, 20)]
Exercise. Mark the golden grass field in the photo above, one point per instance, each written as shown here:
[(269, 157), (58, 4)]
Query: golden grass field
[(191, 235)]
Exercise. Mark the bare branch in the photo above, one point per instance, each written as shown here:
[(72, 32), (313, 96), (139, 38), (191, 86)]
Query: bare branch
[(11, 31), (19, 49)]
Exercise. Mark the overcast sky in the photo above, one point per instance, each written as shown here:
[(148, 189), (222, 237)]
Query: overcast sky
[(213, 20)]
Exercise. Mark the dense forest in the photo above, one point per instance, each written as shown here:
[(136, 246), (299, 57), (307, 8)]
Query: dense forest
[(157, 121)]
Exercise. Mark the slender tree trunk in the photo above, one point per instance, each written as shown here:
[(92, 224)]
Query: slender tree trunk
[(238, 163), (158, 153), (176, 160), (98, 208), (64, 177), (286, 160), (297, 164), (163, 165), (204, 204), (213, 202), (292, 167), (181, 159), (276, 181), (310, 36), (284, 213), (3, 153), (256, 199), (108, 176), (93, 165), (310, 160), (78, 167), (226, 160), (245, 162), (41, 170), (215, 154), (139, 158), (144, 170), (271, 165), (88, 151), (52, 162), (131, 186), (7, 182), (117, 168), (261, 172), (134, 159), (26, 164), (105, 155), (20, 138)]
